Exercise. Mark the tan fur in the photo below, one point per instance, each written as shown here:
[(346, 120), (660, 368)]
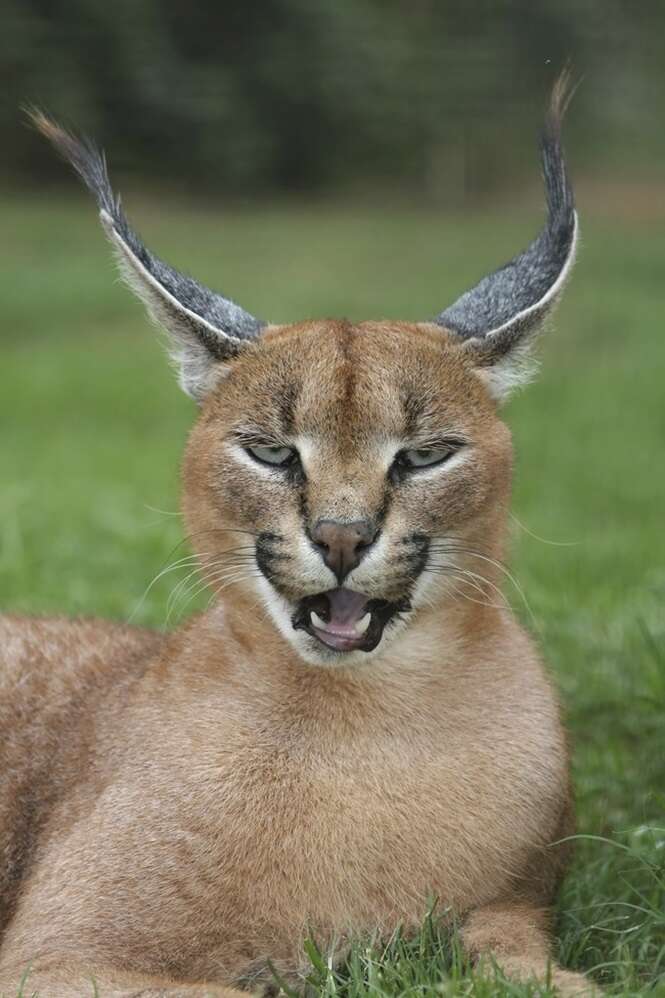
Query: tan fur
[(175, 811)]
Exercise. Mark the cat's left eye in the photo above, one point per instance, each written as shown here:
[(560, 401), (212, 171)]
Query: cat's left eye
[(279, 457), (425, 457)]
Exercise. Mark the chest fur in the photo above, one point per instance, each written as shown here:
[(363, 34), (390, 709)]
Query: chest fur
[(365, 830)]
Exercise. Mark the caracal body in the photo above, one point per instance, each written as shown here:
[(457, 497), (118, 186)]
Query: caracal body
[(357, 725)]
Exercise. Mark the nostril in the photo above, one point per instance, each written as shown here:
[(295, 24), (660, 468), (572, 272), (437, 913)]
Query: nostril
[(362, 537), (367, 539), (342, 544), (320, 538)]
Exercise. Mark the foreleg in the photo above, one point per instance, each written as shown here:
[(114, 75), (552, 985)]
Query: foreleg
[(515, 937)]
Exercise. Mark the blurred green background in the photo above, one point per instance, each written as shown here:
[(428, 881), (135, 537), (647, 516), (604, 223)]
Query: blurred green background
[(363, 159), (413, 96)]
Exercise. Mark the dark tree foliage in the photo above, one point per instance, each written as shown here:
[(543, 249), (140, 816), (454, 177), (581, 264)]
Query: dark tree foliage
[(312, 94)]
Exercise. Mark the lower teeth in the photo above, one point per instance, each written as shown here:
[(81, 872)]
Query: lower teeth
[(360, 627)]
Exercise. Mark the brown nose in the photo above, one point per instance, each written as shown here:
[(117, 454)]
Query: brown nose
[(342, 545)]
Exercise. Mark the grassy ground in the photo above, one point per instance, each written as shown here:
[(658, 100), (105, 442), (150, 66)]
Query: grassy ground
[(92, 426)]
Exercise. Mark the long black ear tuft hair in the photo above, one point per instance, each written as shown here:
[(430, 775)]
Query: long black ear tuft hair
[(205, 326), (505, 308)]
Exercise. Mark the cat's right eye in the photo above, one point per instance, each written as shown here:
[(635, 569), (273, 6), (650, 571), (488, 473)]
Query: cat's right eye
[(278, 457)]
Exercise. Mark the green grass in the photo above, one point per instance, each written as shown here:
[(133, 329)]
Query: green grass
[(92, 427)]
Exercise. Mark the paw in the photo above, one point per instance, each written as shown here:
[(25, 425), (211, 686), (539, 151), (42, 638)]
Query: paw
[(570, 984), (567, 983)]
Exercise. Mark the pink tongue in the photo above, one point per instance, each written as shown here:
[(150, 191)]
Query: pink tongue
[(346, 607)]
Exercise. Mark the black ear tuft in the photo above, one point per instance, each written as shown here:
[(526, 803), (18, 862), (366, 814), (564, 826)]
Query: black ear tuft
[(205, 326), (85, 157), (510, 304)]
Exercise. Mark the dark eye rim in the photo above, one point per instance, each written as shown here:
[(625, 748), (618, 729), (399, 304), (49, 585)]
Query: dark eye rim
[(402, 464), (291, 461)]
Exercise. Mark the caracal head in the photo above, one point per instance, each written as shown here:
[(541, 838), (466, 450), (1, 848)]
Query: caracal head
[(347, 475), (359, 459)]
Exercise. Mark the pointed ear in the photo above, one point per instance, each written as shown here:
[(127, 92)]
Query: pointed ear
[(206, 330), (498, 319)]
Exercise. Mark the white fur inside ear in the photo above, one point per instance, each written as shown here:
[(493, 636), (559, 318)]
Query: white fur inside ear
[(518, 367), (512, 372), (197, 374)]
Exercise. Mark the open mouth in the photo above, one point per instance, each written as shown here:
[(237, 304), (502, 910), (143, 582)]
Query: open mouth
[(344, 620)]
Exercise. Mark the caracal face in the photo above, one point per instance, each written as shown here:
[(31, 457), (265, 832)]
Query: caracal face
[(386, 427)]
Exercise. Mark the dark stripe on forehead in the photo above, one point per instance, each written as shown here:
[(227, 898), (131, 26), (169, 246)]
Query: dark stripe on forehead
[(287, 403), (348, 370), (415, 405), (347, 406)]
